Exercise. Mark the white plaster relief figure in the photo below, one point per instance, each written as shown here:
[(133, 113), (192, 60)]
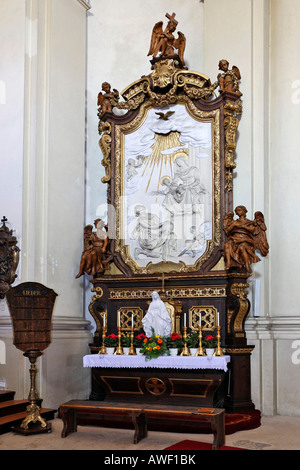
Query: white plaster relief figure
[(193, 245), (173, 195), (152, 235), (193, 189), (157, 318)]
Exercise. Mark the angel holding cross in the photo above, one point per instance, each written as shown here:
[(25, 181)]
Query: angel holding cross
[(165, 41)]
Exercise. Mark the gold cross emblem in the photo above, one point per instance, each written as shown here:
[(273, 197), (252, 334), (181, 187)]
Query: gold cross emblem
[(155, 386)]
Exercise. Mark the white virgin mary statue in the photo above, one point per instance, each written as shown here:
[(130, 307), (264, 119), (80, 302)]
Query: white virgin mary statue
[(157, 318)]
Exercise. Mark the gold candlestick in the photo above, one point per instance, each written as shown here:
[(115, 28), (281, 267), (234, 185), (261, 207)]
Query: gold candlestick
[(185, 350), (119, 349), (103, 348), (218, 351), (131, 349), (200, 351)]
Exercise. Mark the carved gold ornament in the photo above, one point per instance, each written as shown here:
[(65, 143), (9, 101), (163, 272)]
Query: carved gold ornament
[(155, 386), (105, 146), (126, 314), (208, 316), (212, 117), (174, 292), (231, 123)]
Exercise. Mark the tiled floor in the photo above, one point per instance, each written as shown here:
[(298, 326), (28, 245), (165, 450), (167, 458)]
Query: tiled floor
[(275, 433)]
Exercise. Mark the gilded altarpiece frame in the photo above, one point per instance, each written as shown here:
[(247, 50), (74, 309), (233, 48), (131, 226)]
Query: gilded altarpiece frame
[(170, 125)]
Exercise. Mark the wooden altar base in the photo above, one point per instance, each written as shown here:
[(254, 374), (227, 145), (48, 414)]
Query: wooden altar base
[(164, 386)]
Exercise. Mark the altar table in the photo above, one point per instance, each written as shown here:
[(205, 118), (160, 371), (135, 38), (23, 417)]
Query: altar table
[(179, 380), (166, 362)]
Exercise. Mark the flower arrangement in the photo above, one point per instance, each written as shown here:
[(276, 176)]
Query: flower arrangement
[(111, 341), (154, 347), (174, 341), (125, 340), (192, 340), (210, 341), (138, 340)]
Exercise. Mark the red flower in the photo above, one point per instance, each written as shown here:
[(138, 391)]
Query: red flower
[(141, 336), (209, 337), (175, 336)]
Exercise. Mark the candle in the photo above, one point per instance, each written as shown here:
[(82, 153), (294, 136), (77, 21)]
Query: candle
[(184, 318), (118, 317), (104, 319), (218, 323), (132, 320), (200, 320)]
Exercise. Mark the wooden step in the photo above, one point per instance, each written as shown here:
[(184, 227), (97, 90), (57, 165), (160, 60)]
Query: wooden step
[(12, 406), (13, 412), (6, 395), (6, 422)]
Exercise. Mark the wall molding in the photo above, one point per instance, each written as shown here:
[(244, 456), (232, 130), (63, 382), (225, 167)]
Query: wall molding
[(85, 4)]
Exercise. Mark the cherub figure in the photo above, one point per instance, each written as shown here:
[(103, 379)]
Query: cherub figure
[(106, 99), (131, 166), (244, 237), (165, 41), (228, 80), (95, 255)]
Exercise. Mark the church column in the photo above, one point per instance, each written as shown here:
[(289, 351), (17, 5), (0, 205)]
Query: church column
[(239, 32), (284, 207)]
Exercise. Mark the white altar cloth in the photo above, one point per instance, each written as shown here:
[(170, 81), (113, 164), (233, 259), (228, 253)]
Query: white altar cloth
[(162, 362)]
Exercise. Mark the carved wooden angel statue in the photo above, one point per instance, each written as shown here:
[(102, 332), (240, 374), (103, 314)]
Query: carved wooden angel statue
[(95, 255), (229, 79), (244, 237), (106, 100), (164, 42)]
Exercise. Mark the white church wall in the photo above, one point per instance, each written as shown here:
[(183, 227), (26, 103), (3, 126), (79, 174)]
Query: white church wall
[(12, 78), (279, 375), (52, 138), (12, 50)]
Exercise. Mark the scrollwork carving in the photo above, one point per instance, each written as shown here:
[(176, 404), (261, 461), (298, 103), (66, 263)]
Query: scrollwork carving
[(231, 123), (9, 258), (105, 146)]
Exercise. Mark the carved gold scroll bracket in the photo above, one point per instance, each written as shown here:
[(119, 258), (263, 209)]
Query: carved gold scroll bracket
[(232, 112), (236, 316), (105, 146)]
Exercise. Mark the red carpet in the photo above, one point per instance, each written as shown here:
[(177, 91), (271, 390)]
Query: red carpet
[(242, 421), (193, 445)]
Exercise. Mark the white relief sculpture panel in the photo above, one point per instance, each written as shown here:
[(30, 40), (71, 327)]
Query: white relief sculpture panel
[(168, 185)]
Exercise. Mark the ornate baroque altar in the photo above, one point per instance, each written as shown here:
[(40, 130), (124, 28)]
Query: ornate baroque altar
[(169, 154)]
